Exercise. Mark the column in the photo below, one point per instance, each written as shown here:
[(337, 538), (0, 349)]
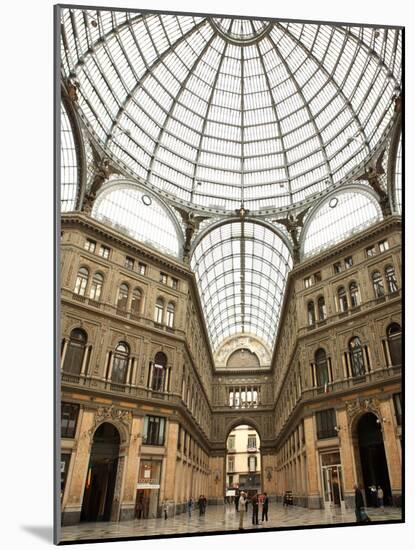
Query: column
[(170, 461), (312, 464), (85, 359), (347, 458), (391, 443), (71, 513), (132, 469)]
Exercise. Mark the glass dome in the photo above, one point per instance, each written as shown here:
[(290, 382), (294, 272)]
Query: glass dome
[(218, 111)]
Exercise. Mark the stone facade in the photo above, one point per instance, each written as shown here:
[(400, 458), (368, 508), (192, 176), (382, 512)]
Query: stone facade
[(199, 402)]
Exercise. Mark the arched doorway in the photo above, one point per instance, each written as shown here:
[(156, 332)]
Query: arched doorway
[(101, 476), (243, 462), (374, 467)]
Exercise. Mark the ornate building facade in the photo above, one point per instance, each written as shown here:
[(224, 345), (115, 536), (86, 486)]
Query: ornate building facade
[(196, 295)]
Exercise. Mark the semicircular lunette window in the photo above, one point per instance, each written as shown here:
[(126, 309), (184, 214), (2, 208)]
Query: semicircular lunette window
[(241, 270), (124, 209), (340, 216), (69, 165)]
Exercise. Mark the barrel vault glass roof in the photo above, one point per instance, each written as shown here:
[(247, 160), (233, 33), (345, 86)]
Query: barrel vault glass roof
[(218, 113)]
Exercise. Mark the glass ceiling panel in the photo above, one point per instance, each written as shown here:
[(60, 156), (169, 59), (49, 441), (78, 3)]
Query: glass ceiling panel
[(69, 165), (241, 270), (286, 96), (398, 178), (139, 216), (340, 216)]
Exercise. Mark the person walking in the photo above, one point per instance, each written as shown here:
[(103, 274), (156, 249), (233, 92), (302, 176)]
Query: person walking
[(265, 508), (255, 505), (165, 509), (204, 501), (379, 495), (358, 503), (237, 495), (242, 502), (190, 507)]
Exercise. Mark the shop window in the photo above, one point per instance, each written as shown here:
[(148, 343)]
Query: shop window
[(394, 334), (69, 419), (154, 428), (342, 298), (120, 363), (75, 352), (104, 252), (377, 282), (81, 281), (326, 424), (90, 245), (123, 297), (354, 294), (356, 357), (65, 460), (96, 287), (391, 282), (311, 315), (159, 311), (321, 306)]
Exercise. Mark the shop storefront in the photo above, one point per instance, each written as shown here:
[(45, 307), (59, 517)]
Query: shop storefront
[(148, 489), (332, 480)]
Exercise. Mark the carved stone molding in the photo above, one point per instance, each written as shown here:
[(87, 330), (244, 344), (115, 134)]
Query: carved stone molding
[(359, 406), (113, 414)]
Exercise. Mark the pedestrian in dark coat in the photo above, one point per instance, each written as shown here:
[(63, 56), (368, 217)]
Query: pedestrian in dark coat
[(359, 503), (255, 503), (265, 508)]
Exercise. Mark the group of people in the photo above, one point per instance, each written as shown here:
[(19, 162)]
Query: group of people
[(257, 501), (201, 503), (378, 500)]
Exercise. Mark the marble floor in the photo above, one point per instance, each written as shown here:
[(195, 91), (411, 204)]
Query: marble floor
[(218, 518)]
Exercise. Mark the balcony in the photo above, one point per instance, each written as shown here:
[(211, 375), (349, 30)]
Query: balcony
[(251, 449)]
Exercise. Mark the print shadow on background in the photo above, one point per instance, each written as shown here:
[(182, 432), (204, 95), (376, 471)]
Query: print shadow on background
[(373, 458), (102, 473)]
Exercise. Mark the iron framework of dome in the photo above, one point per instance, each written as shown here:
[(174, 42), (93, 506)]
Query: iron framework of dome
[(266, 126)]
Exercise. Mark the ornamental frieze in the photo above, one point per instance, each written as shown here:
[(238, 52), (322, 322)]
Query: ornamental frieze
[(359, 406)]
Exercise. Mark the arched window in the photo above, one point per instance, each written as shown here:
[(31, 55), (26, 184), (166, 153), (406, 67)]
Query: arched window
[(311, 314), (356, 357), (342, 297), (159, 311), (252, 461), (123, 297), (96, 287), (378, 287), (136, 302), (321, 306), (322, 371), (170, 315), (120, 363), (354, 294), (75, 352), (394, 333), (391, 282), (159, 371), (81, 281)]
